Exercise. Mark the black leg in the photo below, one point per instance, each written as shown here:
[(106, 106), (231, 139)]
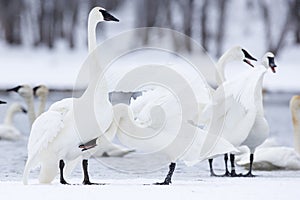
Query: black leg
[(212, 173), (61, 169), (168, 179), (86, 179), (249, 174), (233, 172), (227, 173)]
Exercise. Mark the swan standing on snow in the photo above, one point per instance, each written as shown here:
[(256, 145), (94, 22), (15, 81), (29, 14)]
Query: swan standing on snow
[(41, 92), (7, 130), (272, 156), (53, 139), (234, 54), (248, 123), (26, 93)]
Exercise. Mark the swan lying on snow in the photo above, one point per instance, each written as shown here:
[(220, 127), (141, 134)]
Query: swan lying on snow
[(54, 139), (273, 157), (7, 130)]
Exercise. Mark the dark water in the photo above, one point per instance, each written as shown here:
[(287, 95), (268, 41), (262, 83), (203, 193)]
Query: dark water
[(13, 154)]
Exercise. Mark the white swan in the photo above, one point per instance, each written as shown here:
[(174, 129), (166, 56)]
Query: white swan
[(143, 105), (53, 137), (236, 53), (41, 92), (273, 156), (7, 130), (26, 92), (247, 124)]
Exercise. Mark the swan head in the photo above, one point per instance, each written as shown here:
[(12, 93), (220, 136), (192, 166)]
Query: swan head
[(41, 91), (99, 14), (24, 90), (2, 102), (268, 61), (237, 53), (16, 107)]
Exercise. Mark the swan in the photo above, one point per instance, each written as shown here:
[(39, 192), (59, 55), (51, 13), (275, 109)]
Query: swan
[(273, 156), (7, 130), (53, 138), (236, 53), (249, 126), (26, 93), (143, 104), (41, 92)]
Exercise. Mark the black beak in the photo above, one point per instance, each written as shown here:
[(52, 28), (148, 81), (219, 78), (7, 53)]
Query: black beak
[(248, 56), (15, 89), (35, 89), (24, 110), (2, 102), (248, 62), (108, 17), (272, 64)]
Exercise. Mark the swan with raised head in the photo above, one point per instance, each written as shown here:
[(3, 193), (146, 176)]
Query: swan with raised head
[(42, 93), (270, 155), (53, 139), (236, 53), (248, 125), (26, 92), (7, 130), (143, 104)]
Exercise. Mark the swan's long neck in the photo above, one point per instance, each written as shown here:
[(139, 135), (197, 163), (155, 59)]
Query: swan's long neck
[(295, 109), (8, 120), (30, 109), (42, 105), (92, 41), (221, 68)]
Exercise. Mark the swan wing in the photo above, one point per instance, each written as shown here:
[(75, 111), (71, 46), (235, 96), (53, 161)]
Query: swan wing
[(45, 128)]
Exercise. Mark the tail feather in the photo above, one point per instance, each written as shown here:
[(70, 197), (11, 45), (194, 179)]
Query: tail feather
[(30, 163)]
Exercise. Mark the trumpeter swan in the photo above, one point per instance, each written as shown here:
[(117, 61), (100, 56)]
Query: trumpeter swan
[(236, 53), (142, 105), (273, 156), (250, 125), (53, 138), (26, 93), (41, 92), (7, 130)]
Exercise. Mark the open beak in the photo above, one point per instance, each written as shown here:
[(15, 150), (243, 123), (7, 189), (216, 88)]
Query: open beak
[(248, 57), (273, 67), (272, 64), (2, 102), (15, 89), (248, 62)]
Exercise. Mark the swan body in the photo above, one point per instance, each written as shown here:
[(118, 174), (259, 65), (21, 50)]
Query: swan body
[(7, 130), (274, 156), (54, 136)]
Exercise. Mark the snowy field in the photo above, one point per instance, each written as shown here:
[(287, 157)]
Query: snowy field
[(188, 182)]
